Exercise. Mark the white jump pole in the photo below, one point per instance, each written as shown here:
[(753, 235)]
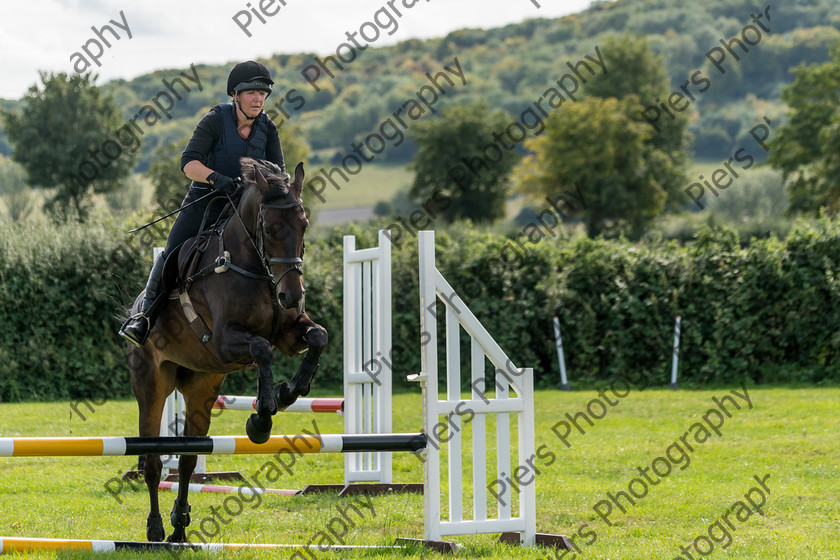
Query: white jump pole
[(558, 342), (676, 358)]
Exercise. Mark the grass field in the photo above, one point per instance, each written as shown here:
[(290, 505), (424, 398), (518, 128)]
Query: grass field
[(375, 182), (789, 434)]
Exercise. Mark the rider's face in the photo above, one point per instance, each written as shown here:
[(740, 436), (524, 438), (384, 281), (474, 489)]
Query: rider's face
[(251, 101)]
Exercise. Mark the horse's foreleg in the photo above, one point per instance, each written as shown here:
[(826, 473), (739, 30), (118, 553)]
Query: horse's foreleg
[(236, 343), (286, 393)]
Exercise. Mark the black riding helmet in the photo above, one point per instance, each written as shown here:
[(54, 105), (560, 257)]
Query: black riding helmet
[(249, 75)]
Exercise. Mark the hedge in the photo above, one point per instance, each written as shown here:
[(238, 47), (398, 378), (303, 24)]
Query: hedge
[(768, 311)]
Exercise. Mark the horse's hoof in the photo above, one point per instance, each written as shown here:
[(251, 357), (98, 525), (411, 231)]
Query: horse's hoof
[(154, 529), (179, 536), (258, 428)]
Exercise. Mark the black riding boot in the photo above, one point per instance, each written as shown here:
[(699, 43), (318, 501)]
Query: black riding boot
[(136, 328)]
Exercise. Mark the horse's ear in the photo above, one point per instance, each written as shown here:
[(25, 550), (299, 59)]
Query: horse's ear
[(297, 185), (260, 180)]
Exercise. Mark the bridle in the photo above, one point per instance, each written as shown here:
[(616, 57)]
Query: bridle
[(292, 263)]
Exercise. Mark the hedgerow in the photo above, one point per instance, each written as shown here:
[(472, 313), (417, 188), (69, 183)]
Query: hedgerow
[(766, 311)]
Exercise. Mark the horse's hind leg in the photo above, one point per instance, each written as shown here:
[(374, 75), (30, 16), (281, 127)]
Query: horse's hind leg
[(315, 338), (151, 385), (200, 391)]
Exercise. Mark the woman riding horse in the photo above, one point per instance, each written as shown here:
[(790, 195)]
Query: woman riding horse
[(248, 296), (224, 135)]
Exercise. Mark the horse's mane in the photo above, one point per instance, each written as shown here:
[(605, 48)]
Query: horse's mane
[(276, 178)]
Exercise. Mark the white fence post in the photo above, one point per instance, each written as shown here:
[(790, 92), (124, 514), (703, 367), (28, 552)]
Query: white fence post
[(367, 354), (561, 359), (676, 358)]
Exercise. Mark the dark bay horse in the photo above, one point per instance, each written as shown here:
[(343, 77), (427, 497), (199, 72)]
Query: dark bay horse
[(248, 291)]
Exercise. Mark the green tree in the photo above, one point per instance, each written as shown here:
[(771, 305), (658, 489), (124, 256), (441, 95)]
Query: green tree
[(67, 138), (460, 165), (595, 146), (165, 172), (807, 148), (632, 68), (296, 150), (636, 73)]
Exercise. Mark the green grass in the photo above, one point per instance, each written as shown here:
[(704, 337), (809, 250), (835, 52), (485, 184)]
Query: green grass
[(374, 182), (790, 434)]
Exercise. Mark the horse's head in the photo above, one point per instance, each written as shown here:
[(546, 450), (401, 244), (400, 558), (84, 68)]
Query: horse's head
[(279, 223)]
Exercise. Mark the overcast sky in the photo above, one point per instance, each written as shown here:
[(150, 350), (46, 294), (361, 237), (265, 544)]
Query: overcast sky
[(44, 34)]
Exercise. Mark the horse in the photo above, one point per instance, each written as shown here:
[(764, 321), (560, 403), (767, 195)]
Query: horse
[(248, 299)]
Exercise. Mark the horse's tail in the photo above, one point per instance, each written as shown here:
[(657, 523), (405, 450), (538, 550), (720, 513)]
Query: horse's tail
[(126, 312)]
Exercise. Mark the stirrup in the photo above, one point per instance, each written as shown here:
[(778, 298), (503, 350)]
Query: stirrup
[(132, 336)]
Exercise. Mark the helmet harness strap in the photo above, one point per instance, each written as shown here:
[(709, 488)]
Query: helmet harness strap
[(238, 106)]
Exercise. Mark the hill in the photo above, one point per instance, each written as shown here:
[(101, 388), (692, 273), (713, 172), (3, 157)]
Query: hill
[(727, 64)]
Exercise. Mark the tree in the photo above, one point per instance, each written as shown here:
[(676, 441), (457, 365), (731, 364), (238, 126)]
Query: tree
[(67, 139), (461, 166), (636, 73), (807, 148), (166, 175), (632, 68), (594, 145)]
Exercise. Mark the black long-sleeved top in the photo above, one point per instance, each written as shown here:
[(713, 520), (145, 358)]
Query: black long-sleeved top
[(209, 130)]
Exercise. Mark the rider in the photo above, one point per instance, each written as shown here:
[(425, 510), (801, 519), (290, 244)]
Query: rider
[(225, 134)]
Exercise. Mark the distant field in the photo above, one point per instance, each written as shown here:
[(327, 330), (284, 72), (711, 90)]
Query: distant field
[(789, 434), (374, 183)]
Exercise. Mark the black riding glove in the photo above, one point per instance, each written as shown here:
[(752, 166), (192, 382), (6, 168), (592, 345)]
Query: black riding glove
[(222, 183)]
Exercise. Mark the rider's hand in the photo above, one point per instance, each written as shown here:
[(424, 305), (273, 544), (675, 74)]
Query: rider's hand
[(222, 183)]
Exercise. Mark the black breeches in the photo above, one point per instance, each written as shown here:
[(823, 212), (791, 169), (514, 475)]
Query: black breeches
[(189, 220)]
